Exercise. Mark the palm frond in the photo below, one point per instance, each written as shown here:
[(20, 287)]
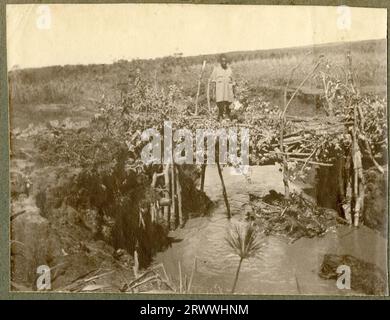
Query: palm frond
[(244, 241)]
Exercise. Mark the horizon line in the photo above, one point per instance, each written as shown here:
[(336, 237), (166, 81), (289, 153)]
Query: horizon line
[(194, 56)]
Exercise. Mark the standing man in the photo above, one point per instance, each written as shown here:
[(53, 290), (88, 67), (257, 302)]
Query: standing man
[(224, 88)]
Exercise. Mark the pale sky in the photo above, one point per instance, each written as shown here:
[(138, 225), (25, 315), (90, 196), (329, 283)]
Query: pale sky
[(102, 33)]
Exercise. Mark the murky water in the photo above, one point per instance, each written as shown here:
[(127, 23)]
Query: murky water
[(280, 267)]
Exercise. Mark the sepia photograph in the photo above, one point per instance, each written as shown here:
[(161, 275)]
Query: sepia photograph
[(198, 149)]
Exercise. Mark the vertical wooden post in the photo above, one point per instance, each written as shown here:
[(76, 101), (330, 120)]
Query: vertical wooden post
[(180, 279), (153, 208), (224, 193), (199, 82), (286, 173), (208, 96), (136, 263), (179, 199), (167, 209), (344, 183), (347, 207), (355, 172), (202, 177), (173, 222), (358, 177), (173, 190)]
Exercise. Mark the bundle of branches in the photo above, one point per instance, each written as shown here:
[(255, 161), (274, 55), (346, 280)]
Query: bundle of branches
[(354, 131), (295, 217)]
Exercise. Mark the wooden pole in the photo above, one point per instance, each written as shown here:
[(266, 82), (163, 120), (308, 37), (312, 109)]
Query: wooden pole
[(358, 177), (208, 96), (167, 209), (179, 199), (173, 190), (224, 193), (286, 173), (347, 208), (199, 82), (355, 172), (202, 177), (180, 279), (136, 263), (359, 201), (173, 198)]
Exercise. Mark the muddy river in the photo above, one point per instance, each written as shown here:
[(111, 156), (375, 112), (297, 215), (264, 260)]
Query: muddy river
[(281, 267)]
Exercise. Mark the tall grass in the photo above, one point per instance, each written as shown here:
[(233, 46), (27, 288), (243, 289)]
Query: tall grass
[(62, 84)]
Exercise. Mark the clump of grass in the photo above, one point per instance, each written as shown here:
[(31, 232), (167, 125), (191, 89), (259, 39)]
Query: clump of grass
[(245, 244)]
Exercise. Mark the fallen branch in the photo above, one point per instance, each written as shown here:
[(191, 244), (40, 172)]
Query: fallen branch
[(98, 276), (292, 153), (155, 277), (314, 162)]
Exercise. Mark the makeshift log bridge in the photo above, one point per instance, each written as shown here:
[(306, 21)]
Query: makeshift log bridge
[(286, 139), (169, 207)]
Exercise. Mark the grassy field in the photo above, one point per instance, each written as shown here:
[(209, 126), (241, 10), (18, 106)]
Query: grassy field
[(263, 73)]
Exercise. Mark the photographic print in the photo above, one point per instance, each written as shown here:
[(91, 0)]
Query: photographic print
[(198, 149)]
